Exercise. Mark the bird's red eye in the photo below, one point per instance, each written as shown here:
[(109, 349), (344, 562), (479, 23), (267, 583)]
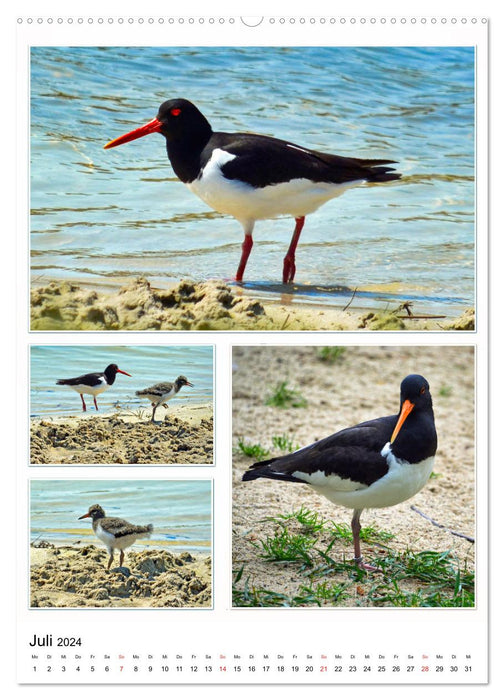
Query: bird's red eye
[(175, 111), (422, 390)]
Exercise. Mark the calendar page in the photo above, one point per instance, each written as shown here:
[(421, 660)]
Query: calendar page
[(251, 349)]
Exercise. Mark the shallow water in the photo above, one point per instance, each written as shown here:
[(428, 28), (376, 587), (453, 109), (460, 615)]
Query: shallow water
[(148, 364), (179, 510), (103, 217)]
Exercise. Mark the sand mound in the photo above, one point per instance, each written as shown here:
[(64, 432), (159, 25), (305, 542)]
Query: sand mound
[(71, 577), (137, 306), (112, 440)]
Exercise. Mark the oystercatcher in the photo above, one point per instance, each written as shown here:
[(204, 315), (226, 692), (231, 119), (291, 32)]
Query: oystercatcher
[(116, 533), (375, 464), (160, 393), (253, 177), (93, 383)]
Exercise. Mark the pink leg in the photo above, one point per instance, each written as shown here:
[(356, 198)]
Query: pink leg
[(96, 405), (356, 528), (246, 248), (289, 267), (83, 403)]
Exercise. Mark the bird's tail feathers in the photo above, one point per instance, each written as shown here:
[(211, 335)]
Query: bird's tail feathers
[(266, 470)]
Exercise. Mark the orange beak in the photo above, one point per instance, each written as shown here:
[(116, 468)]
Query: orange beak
[(406, 409), (88, 515), (152, 127)]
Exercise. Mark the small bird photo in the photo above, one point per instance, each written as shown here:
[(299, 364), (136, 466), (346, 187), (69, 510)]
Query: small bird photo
[(251, 188), (146, 544), (99, 404), (353, 478)]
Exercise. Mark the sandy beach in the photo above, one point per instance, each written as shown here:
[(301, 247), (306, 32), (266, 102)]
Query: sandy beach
[(211, 305), (76, 577), (181, 435), (362, 384)]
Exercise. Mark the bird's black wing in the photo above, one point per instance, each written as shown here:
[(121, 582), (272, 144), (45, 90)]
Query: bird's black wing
[(91, 379), (353, 453), (264, 160)]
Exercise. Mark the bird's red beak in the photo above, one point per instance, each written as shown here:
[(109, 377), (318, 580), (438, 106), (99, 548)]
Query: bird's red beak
[(406, 409), (120, 370), (151, 127), (88, 515)]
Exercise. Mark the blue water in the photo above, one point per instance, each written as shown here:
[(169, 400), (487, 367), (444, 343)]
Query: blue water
[(103, 217), (148, 364), (181, 511)]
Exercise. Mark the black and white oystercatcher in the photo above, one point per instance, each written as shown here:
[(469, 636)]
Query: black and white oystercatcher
[(252, 176), (93, 383), (160, 393), (375, 464), (116, 533)]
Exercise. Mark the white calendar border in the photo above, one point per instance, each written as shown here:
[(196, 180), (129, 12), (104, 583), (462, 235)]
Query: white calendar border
[(479, 337)]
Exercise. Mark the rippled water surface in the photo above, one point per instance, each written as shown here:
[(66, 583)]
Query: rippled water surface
[(181, 511), (148, 364), (103, 217)]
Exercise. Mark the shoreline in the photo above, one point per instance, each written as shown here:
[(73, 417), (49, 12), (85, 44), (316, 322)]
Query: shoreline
[(181, 435), (210, 306)]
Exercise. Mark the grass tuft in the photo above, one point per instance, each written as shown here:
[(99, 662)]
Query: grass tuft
[(253, 451), (283, 443), (331, 354), (284, 397)]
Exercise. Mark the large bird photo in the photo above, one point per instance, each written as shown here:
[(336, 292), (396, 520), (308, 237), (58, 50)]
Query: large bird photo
[(252, 188), (354, 476)]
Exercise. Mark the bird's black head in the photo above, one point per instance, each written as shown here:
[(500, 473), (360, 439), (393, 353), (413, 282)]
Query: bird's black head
[(96, 512), (182, 381), (415, 388), (111, 371), (415, 399), (178, 120)]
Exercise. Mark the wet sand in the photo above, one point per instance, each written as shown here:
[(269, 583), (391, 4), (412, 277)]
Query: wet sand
[(181, 435), (364, 384), (76, 577), (211, 305)]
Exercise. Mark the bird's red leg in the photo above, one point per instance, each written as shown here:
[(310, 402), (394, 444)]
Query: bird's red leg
[(83, 402), (96, 405), (246, 248), (289, 266), (356, 528), (121, 558)]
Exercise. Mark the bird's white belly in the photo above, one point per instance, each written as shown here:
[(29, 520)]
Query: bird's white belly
[(297, 197), (155, 398), (117, 542), (402, 481), (93, 390)]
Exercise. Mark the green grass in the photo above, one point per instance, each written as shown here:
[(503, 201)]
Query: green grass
[(306, 541), (280, 443), (331, 354), (445, 390), (254, 451), (283, 443), (284, 397)]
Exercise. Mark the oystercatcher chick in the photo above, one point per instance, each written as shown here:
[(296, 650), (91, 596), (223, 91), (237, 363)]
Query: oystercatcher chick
[(253, 177), (375, 464), (158, 394), (93, 383), (116, 533)]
